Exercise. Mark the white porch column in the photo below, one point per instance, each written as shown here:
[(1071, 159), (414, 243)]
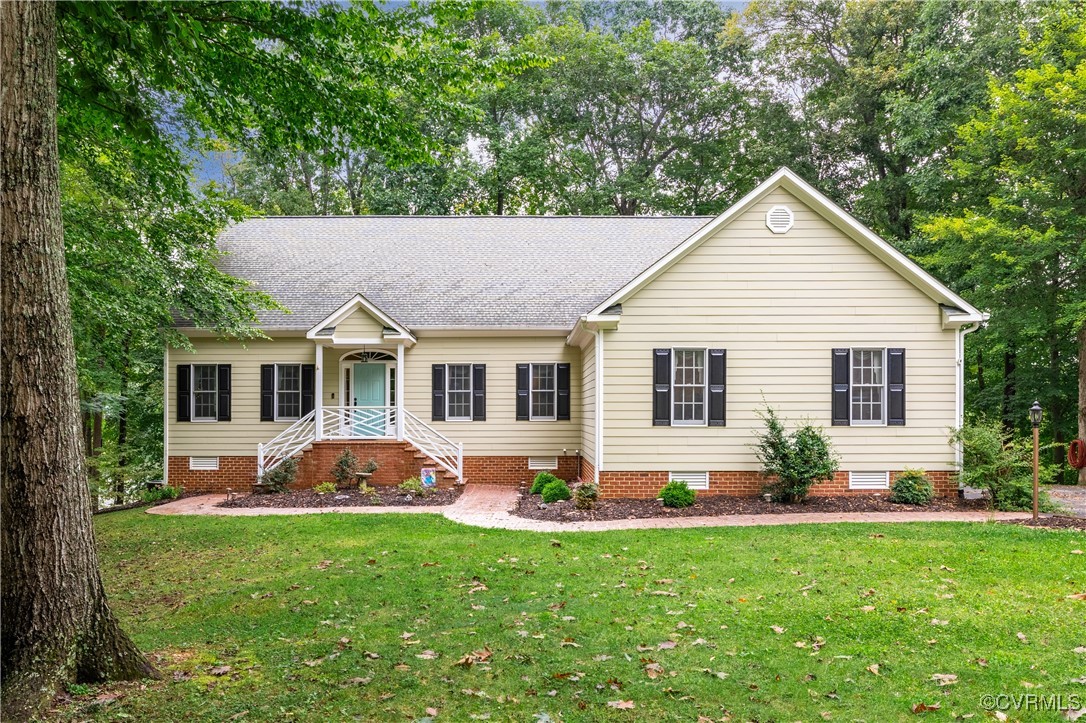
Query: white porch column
[(399, 392), (318, 397)]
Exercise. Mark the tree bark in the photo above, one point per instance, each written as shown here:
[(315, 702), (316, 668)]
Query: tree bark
[(1082, 393), (56, 624), (1006, 412)]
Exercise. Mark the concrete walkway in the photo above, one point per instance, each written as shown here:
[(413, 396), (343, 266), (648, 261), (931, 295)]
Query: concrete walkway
[(1070, 496), (489, 505)]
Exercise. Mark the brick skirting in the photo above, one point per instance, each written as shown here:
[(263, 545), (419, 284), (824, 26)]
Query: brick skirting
[(512, 470), (237, 473), (646, 485), (588, 470)]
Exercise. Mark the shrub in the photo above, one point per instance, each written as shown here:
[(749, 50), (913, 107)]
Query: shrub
[(793, 462), (556, 490), (912, 487), (157, 494), (345, 469), (541, 480), (325, 487), (413, 485), (367, 491), (1001, 464), (677, 494), (585, 496), (277, 479), (370, 467)]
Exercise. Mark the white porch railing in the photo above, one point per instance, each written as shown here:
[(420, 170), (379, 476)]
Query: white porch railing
[(434, 444), (359, 422), (362, 423), (288, 443)]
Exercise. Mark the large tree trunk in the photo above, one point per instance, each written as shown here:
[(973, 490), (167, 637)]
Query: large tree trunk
[(1082, 393), (56, 623)]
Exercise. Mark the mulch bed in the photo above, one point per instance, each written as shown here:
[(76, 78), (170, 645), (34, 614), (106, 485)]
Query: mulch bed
[(389, 497), (714, 505), (1054, 522)]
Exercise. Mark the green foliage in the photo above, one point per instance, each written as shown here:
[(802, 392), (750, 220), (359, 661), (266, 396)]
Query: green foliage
[(1001, 464), (325, 488), (414, 486), (541, 480), (158, 494), (369, 467), (345, 469), (793, 462), (555, 490), (912, 487), (585, 496), (368, 491), (279, 478), (677, 494)]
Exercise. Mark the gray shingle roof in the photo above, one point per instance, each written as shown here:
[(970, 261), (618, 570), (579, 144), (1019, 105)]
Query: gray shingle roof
[(477, 271)]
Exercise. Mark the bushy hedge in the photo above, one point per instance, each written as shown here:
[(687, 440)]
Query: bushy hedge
[(677, 494), (554, 491), (585, 496), (793, 462), (912, 487), (541, 480), (283, 475), (1001, 464)]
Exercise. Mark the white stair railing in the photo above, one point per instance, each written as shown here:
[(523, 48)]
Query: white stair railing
[(434, 444), (288, 443), (358, 422)]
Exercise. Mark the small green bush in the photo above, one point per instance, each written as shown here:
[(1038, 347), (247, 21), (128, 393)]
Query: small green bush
[(585, 496), (366, 490), (793, 462), (677, 494), (414, 486), (157, 494), (554, 491), (370, 467), (345, 469), (541, 480), (1001, 464), (325, 487), (283, 475), (912, 487)]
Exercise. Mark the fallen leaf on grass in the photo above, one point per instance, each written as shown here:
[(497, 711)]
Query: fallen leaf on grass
[(868, 608), (937, 621), (324, 564), (777, 629), (357, 681), (371, 656), (426, 655), (1022, 637), (666, 645), (314, 663), (402, 667), (621, 704), (569, 643), (925, 707), (945, 678), (1077, 596), (477, 656), (873, 669), (665, 593), (654, 670), (431, 712), (221, 670), (1080, 649)]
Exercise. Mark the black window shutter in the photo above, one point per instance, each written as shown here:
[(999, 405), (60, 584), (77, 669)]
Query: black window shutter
[(524, 378), (661, 387), (563, 392), (184, 392), (267, 392), (718, 376), (478, 395), (224, 392), (437, 393), (309, 388), (895, 375), (840, 389)]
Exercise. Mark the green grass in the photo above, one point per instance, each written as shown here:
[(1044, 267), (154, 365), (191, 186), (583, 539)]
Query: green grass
[(250, 593)]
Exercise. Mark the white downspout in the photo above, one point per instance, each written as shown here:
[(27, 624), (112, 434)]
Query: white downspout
[(166, 416), (399, 400), (599, 405), (959, 386)]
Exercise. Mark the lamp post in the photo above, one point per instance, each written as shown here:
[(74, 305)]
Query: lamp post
[(1035, 414)]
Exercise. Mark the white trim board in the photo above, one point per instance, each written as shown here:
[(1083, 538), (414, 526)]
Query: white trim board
[(789, 181), (359, 302)]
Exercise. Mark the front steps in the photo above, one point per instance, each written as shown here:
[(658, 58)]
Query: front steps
[(396, 461)]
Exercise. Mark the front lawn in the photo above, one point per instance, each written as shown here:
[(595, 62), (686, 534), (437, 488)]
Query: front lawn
[(344, 617)]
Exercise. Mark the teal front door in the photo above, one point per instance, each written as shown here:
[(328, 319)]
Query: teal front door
[(369, 418)]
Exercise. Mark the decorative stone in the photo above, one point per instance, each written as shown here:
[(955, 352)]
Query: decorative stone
[(342, 497)]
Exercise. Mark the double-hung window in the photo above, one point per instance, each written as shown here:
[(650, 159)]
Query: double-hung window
[(688, 387), (205, 393), (288, 392), (868, 386), (544, 391), (458, 395)]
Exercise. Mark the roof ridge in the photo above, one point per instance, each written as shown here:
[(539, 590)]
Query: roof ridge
[(470, 216)]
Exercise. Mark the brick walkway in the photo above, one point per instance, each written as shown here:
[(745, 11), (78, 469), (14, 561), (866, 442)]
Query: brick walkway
[(488, 506)]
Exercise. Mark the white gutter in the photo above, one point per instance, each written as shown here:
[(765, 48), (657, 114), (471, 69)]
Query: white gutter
[(597, 461)]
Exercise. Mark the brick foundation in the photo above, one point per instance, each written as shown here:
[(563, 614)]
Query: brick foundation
[(512, 470), (238, 473), (646, 485), (588, 470)]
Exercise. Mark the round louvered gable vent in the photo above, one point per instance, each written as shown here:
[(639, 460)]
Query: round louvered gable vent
[(779, 219)]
